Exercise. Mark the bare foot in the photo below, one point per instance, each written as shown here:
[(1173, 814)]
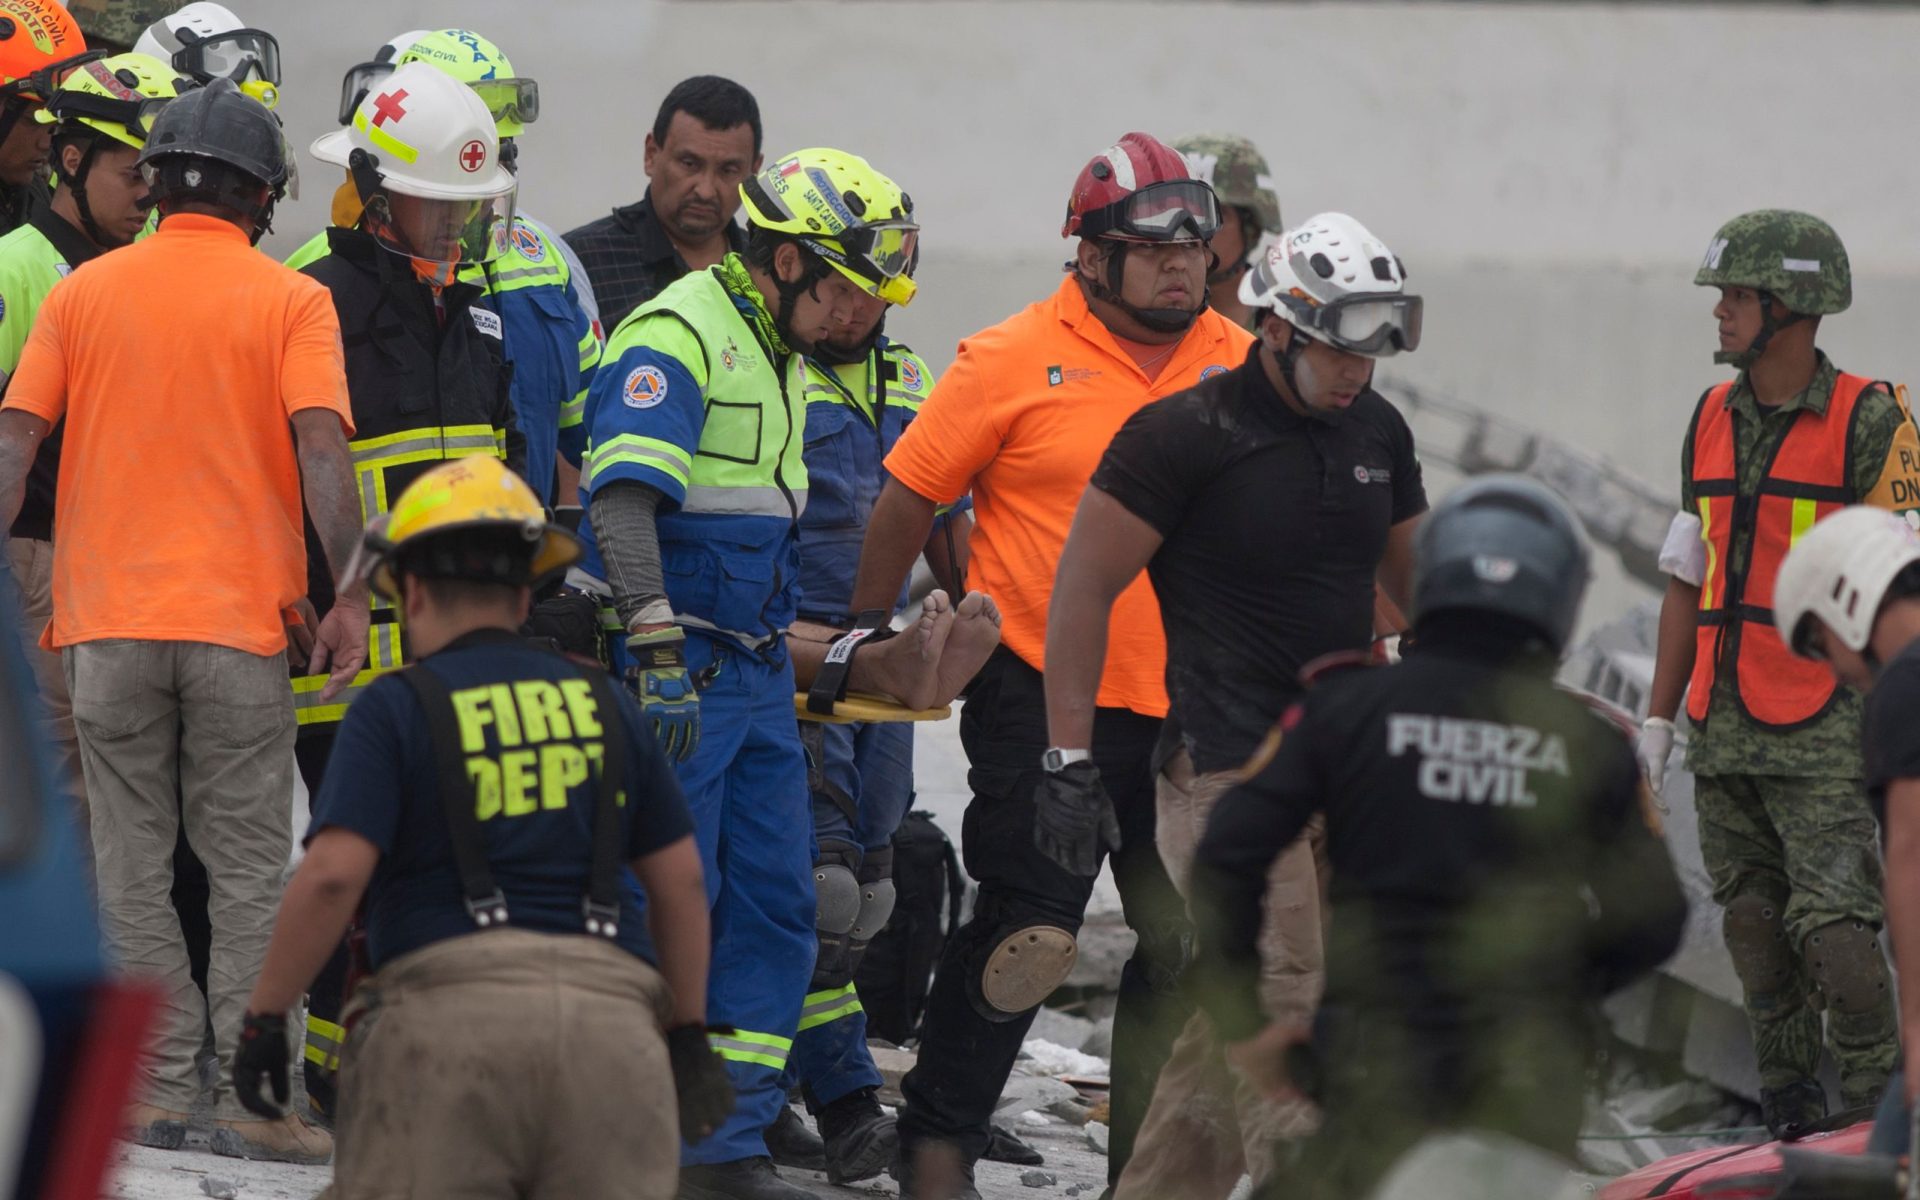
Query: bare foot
[(976, 631), (906, 666)]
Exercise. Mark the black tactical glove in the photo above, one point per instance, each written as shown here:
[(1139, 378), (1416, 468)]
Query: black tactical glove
[(262, 1054), (1073, 821), (700, 1081)]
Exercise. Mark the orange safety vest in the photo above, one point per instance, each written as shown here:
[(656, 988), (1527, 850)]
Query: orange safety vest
[(1807, 478)]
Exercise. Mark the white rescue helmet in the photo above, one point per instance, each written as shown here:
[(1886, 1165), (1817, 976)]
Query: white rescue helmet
[(1338, 284), (207, 41), (424, 157), (1839, 573)]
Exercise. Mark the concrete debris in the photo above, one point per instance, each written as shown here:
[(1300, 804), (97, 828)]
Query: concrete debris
[(1105, 946), (1097, 1135), (1060, 1028), (219, 1189), (1035, 1118), (1073, 1112), (1025, 1092), (1099, 1043), (1042, 1057), (1037, 1179)]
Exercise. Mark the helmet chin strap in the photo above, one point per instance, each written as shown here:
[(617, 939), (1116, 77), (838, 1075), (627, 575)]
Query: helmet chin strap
[(1744, 359), (841, 356), (1160, 320)]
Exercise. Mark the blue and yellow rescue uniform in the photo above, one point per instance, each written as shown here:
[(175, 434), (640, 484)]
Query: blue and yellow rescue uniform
[(860, 776), (700, 400), (551, 340), (533, 733)]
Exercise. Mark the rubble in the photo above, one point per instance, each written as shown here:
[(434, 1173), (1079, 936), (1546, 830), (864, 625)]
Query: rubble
[(1097, 1135)]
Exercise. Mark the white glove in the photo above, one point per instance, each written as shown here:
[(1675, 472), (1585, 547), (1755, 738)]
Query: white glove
[(1653, 749)]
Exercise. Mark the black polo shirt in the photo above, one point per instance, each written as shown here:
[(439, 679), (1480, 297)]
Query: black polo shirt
[(1274, 525), (629, 258), (1892, 746)]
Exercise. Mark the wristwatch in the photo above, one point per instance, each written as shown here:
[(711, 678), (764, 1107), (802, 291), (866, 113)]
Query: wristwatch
[(1056, 759)]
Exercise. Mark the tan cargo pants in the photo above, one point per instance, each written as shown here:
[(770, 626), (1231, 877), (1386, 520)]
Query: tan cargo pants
[(508, 1064), (186, 731), (32, 565), (1206, 1126)]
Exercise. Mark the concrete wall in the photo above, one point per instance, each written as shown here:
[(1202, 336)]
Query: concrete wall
[(1550, 174)]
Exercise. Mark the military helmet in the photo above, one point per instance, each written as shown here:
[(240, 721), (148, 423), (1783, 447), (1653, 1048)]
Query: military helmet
[(1507, 547), (1238, 174), (1794, 256), (116, 25)]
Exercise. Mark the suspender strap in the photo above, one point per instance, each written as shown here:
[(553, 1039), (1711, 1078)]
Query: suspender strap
[(831, 683), (602, 902), (486, 904)]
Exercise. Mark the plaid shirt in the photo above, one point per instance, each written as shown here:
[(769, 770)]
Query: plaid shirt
[(629, 258)]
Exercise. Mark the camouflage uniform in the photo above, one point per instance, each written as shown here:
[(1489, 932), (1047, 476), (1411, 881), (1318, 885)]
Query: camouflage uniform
[(1785, 830), (117, 24), (1239, 177)]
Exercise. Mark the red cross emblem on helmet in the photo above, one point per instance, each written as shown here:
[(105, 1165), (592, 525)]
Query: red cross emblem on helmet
[(387, 108), (473, 156)]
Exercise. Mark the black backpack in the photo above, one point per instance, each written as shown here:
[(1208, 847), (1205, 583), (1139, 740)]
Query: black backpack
[(897, 969)]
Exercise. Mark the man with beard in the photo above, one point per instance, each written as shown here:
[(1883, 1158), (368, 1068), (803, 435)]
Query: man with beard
[(1021, 420)]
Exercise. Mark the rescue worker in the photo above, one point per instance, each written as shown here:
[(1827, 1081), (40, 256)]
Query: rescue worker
[(100, 114), (487, 804), (1785, 832), (170, 604), (1263, 504), (1495, 872), (551, 341), (696, 481), (205, 41), (1848, 595), (1249, 216), (1020, 421), (39, 41), (115, 26), (704, 144)]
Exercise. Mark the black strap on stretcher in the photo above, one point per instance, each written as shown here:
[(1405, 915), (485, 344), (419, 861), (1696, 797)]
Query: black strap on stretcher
[(830, 685), (485, 902)]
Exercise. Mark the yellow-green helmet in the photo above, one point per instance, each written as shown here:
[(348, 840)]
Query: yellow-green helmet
[(118, 96), (463, 54), (836, 205)]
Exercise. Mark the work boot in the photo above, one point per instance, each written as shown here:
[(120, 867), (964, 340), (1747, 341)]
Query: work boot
[(932, 1171), (860, 1139), (743, 1179), (1004, 1147), (792, 1144), (151, 1125), (1791, 1112), (289, 1140)]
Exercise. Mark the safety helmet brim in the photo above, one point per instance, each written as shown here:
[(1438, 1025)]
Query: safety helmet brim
[(337, 147), (555, 551)]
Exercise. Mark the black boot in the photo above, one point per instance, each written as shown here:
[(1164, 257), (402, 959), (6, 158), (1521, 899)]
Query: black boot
[(1004, 1147), (1792, 1112), (954, 1181), (744, 1179), (792, 1144), (860, 1139)]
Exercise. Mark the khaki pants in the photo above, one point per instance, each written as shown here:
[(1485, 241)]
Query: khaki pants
[(32, 566), (1206, 1126), (508, 1064), (173, 732)]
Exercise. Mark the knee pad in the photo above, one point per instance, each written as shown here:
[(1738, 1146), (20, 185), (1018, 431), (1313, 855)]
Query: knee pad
[(836, 907), (1756, 934), (1021, 967), (1847, 967)]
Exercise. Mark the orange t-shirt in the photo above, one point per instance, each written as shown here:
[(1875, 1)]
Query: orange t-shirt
[(1021, 419), (177, 363)]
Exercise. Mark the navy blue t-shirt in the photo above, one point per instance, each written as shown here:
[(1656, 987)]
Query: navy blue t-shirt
[(531, 727)]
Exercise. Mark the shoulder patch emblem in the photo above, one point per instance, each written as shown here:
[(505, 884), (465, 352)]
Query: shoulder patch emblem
[(487, 322), (528, 243), (1211, 371), (910, 377), (646, 387)]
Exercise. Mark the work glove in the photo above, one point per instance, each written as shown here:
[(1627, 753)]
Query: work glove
[(1653, 748), (700, 1081), (660, 679), (262, 1054), (1073, 821)]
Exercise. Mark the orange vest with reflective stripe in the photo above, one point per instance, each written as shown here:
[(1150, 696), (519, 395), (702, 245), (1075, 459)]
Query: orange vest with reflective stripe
[(1807, 477)]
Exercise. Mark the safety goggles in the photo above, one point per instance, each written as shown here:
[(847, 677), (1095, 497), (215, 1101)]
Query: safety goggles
[(506, 99), (882, 255), (1376, 326), (242, 55), (135, 116), (1179, 210), (43, 83)]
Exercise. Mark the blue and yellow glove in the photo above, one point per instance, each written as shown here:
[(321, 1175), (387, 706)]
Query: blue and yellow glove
[(660, 680)]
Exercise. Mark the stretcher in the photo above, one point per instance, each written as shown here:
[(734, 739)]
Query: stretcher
[(865, 706)]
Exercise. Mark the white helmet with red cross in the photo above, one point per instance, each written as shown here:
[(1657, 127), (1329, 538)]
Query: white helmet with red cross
[(424, 156)]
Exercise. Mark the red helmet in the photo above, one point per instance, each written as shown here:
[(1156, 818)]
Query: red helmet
[(1139, 190)]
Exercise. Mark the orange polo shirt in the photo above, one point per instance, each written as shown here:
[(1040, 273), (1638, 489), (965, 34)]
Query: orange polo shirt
[(177, 363), (1021, 419)]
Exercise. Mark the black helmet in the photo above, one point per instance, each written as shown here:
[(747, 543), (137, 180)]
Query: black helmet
[(1508, 546), (217, 144)]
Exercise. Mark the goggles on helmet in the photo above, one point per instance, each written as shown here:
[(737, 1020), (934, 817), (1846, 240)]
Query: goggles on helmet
[(44, 82), (506, 99), (135, 116), (881, 255), (1178, 210), (241, 55), (1374, 325)]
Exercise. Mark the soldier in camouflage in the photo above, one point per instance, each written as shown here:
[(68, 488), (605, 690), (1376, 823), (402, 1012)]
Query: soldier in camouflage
[(115, 25), (1785, 829), (1249, 213)]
